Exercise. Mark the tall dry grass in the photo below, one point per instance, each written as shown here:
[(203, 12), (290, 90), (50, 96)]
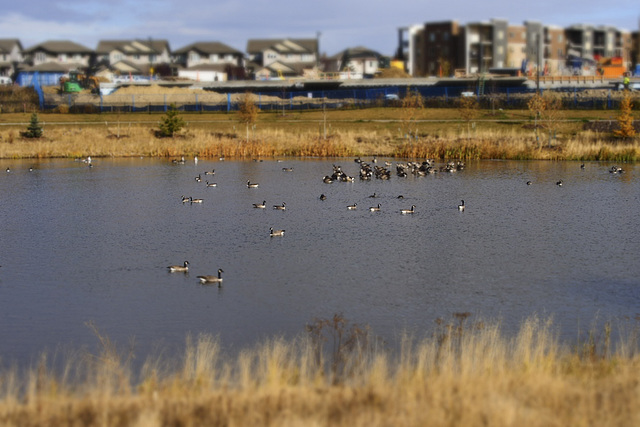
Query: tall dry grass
[(465, 373), (291, 140)]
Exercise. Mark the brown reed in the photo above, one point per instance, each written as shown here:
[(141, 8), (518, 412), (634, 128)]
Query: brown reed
[(466, 373)]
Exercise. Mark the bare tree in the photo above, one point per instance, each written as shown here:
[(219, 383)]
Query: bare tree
[(468, 109), (248, 111)]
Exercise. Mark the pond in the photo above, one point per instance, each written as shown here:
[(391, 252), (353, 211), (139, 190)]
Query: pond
[(90, 245)]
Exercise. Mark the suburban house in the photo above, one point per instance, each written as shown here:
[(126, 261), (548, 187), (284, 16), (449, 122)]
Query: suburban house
[(280, 58), (354, 63), (10, 56), (209, 61), (133, 57), (58, 54)]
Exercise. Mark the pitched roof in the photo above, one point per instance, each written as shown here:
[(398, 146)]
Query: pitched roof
[(56, 67), (208, 48), (60, 46), (7, 44), (283, 45), (133, 47)]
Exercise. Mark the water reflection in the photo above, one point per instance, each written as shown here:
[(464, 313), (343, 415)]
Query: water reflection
[(93, 244)]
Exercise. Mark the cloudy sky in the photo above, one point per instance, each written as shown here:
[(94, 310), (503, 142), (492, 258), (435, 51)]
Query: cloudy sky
[(341, 23)]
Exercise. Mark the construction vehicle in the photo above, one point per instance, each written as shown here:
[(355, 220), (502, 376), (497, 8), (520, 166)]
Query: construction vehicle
[(78, 81)]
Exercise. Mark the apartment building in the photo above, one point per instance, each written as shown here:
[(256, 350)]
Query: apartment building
[(516, 46), (441, 52), (485, 46), (479, 47)]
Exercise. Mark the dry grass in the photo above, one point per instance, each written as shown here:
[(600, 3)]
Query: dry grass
[(466, 373), (349, 133)]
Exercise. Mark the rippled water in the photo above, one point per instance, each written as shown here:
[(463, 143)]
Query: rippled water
[(86, 244)]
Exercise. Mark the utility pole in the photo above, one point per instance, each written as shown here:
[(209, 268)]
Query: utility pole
[(538, 64)]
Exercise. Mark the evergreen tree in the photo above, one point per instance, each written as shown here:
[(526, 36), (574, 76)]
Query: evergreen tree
[(34, 130), (171, 123)]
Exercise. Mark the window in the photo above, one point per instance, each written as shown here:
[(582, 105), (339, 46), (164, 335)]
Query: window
[(500, 35), (432, 37), (213, 57), (194, 57), (445, 35)]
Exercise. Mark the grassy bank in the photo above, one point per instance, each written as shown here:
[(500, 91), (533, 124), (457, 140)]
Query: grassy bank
[(464, 374), (440, 134)]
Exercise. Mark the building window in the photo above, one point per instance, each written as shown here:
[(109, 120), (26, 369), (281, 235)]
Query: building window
[(445, 35), (500, 35), (432, 37), (194, 57), (213, 57), (62, 57)]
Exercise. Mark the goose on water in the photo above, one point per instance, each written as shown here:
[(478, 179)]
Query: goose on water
[(185, 199), (181, 268), (461, 205), (352, 207), (192, 200), (274, 233), (280, 207), (559, 183), (252, 184), (212, 279), (323, 197), (211, 184), (408, 211), (260, 205), (375, 208)]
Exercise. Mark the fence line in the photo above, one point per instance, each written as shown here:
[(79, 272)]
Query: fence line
[(433, 96)]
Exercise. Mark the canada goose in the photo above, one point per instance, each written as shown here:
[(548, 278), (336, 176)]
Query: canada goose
[(273, 232), (352, 207), (182, 268), (260, 206), (185, 199), (192, 200), (252, 184), (31, 169), (582, 166), (280, 207), (327, 179), (8, 170), (529, 182), (211, 172), (287, 169), (212, 279), (198, 178), (375, 208), (323, 197), (373, 196), (461, 205), (211, 184), (400, 197), (559, 183), (408, 211)]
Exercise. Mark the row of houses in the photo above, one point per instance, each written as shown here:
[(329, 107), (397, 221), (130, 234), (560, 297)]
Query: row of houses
[(203, 61), (440, 48)]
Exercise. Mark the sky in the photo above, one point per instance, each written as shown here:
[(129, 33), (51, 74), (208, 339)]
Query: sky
[(340, 24)]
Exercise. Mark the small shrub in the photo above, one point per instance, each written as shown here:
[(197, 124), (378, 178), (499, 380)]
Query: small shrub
[(171, 123)]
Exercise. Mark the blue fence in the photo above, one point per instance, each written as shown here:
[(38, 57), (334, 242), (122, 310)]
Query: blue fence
[(434, 97)]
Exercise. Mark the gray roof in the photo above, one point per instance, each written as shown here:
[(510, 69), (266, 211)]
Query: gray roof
[(359, 52), (56, 67), (7, 44), (209, 48), (60, 46), (283, 45), (208, 67), (133, 47)]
